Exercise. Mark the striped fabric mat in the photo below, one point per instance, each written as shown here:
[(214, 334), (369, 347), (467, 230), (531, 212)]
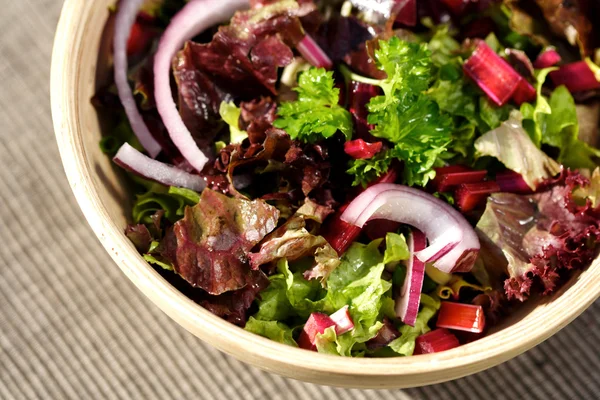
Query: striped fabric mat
[(73, 327)]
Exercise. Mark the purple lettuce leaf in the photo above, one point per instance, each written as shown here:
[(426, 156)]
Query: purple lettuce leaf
[(214, 238), (257, 117), (542, 236), (140, 236), (244, 56), (296, 239), (199, 99), (232, 306)]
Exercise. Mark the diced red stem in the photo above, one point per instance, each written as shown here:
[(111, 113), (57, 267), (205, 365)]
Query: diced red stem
[(139, 39), (340, 234), (512, 182), (359, 149), (435, 341), (462, 317), (447, 178), (577, 77), (406, 12), (525, 93), (492, 73), (470, 195), (456, 6), (547, 59), (316, 323), (343, 321)]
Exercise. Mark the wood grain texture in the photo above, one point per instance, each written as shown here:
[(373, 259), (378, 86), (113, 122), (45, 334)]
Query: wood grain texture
[(104, 201)]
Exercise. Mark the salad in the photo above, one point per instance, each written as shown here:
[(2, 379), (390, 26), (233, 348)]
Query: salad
[(365, 178)]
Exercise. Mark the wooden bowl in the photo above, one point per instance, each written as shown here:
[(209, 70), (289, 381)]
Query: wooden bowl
[(78, 65)]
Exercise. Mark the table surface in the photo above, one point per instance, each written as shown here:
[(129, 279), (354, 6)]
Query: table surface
[(73, 327)]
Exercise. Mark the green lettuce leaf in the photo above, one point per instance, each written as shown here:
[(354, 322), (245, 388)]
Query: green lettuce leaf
[(293, 241), (153, 260), (533, 115), (471, 111), (274, 304), (511, 145), (171, 200), (562, 131), (396, 248), (316, 114), (405, 344), (305, 296), (231, 115), (358, 283), (289, 295), (443, 46), (554, 122), (273, 330)]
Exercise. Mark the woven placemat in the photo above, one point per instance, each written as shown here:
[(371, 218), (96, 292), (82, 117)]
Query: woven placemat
[(73, 327)]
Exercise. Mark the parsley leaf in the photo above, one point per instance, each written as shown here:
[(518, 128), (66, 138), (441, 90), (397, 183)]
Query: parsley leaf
[(405, 115), (315, 115), (367, 170)]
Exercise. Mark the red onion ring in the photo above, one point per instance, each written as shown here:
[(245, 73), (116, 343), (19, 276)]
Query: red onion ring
[(453, 242), (194, 18), (132, 160), (407, 304), (126, 16)]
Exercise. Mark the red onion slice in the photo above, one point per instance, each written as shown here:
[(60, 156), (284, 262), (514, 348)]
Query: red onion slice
[(407, 304), (453, 244), (125, 19), (315, 55), (132, 160), (355, 208), (194, 18)]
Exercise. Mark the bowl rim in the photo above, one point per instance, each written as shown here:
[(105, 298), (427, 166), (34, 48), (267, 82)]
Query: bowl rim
[(66, 81)]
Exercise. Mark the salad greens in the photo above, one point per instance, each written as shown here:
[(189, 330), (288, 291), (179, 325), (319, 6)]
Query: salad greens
[(315, 114), (311, 127), (404, 115)]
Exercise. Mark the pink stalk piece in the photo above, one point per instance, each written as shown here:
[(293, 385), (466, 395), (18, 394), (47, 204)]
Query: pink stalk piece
[(577, 77), (547, 58), (343, 321), (316, 323), (492, 74)]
